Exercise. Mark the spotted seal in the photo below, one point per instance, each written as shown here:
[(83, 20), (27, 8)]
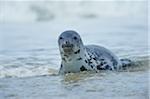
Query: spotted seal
[(77, 57)]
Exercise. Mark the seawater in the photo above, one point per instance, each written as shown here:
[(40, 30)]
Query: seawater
[(30, 59)]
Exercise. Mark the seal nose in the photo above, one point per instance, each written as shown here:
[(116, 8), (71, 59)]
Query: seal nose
[(67, 44)]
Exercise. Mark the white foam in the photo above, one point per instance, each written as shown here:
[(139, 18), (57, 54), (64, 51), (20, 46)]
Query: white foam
[(26, 72)]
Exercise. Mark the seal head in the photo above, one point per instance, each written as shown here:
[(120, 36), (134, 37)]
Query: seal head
[(69, 42)]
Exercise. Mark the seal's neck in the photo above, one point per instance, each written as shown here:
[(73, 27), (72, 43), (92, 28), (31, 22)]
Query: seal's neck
[(74, 61), (79, 54)]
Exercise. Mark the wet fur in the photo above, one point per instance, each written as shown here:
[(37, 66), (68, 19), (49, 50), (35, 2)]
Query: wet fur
[(86, 58)]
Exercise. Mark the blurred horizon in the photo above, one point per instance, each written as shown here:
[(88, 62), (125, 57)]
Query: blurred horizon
[(49, 10), (22, 22)]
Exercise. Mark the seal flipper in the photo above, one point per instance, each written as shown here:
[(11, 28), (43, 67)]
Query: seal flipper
[(126, 63), (61, 69)]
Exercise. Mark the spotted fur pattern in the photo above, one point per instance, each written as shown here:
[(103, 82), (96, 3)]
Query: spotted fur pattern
[(85, 58)]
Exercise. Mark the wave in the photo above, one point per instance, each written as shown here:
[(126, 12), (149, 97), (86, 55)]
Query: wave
[(140, 64)]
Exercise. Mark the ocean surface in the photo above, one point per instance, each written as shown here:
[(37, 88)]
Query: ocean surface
[(30, 59)]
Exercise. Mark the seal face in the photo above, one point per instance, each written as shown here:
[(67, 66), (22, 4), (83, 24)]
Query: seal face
[(76, 57)]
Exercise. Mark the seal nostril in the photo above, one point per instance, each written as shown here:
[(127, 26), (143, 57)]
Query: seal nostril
[(67, 42), (62, 46)]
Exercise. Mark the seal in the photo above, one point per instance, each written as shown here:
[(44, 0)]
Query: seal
[(77, 57)]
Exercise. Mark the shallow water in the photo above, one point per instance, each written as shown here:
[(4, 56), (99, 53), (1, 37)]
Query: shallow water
[(107, 85), (30, 60), (26, 52), (29, 64)]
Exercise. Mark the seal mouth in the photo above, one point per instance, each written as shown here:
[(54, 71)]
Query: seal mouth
[(64, 46), (68, 48)]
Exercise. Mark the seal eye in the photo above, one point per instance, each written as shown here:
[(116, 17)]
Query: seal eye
[(60, 38), (75, 38)]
